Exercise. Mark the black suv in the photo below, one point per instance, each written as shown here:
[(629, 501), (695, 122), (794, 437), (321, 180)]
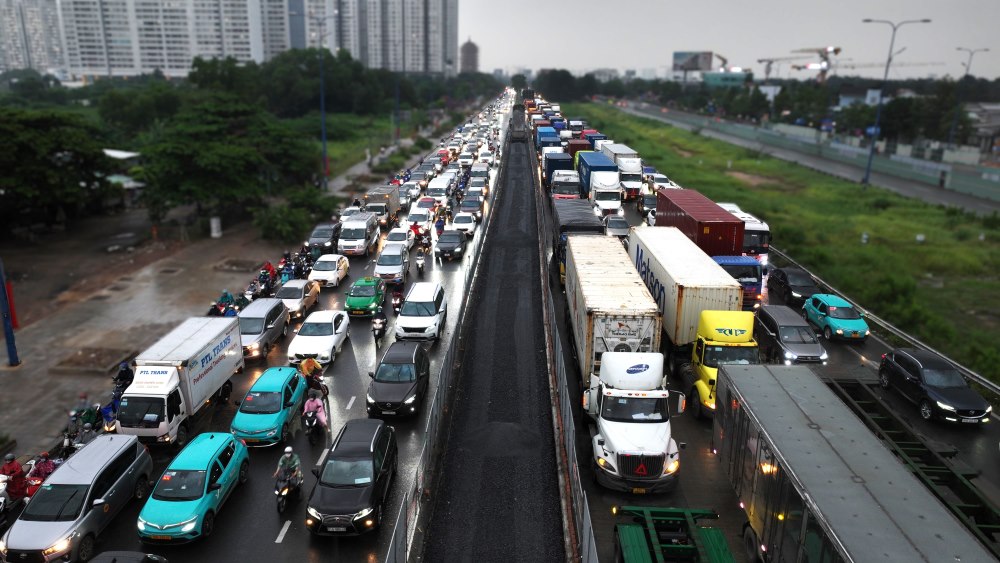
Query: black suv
[(794, 285), (349, 497), (451, 244), (325, 236), (934, 384), (399, 384)]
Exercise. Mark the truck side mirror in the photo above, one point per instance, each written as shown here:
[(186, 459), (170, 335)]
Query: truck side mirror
[(600, 442), (681, 404)]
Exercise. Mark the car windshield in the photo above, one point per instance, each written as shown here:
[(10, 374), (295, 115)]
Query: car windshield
[(744, 273), (321, 233), (450, 237), (607, 196), (418, 217), (356, 233), (348, 212), (799, 278), (649, 200), (251, 325), (418, 309), (347, 472), (261, 402), (315, 329), (389, 259), (485, 155), (479, 182), (437, 192), (425, 203), (797, 335), (944, 378), (397, 237), (395, 373), (325, 265), (846, 313), (55, 503), (465, 156), (743, 355), (464, 219), (631, 409), (617, 223), (177, 485), (289, 292), (362, 291), (136, 412)]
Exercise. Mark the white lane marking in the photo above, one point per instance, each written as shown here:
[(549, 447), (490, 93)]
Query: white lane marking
[(351, 402), (322, 458), (284, 530)]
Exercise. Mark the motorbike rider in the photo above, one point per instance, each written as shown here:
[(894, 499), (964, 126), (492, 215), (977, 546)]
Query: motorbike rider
[(314, 403), (125, 375), (87, 435), (81, 402), (439, 225), (43, 467), (16, 484), (226, 299), (289, 461)]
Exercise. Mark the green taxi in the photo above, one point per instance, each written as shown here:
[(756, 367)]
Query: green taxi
[(365, 297)]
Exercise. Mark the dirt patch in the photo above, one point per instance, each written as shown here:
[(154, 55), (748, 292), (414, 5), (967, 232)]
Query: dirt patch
[(682, 152), (93, 360), (751, 179), (237, 265)]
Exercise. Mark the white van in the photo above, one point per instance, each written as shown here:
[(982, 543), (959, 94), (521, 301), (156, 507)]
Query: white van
[(359, 235)]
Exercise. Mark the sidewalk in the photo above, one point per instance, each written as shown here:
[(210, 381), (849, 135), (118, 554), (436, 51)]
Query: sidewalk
[(116, 320)]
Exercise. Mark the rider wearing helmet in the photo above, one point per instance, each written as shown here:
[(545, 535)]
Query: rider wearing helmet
[(289, 461), (43, 467), (314, 403), (87, 434), (16, 485), (125, 375)]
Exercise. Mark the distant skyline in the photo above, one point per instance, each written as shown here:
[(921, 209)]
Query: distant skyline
[(643, 34)]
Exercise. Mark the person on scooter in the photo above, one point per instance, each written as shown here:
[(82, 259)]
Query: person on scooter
[(380, 316), (289, 461), (397, 299), (16, 484), (439, 225), (314, 403), (43, 467), (125, 376), (87, 435)]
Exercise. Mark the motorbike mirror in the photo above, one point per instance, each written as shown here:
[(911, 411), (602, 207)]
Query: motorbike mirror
[(315, 472)]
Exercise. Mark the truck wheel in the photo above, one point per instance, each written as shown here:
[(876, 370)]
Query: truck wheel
[(182, 436), (225, 392), (695, 402), (750, 545)]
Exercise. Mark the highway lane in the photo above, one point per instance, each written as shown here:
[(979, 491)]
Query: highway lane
[(249, 526)]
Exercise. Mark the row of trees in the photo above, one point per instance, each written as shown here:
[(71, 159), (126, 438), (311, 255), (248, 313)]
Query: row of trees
[(224, 139), (928, 114)]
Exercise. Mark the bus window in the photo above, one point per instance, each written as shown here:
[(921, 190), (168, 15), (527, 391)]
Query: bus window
[(816, 546)]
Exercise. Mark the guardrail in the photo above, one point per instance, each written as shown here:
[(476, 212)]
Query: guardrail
[(888, 328), (405, 527)]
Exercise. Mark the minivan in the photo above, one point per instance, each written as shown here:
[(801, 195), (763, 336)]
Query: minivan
[(262, 323), (79, 499), (359, 235), (393, 263), (786, 338), (423, 312)]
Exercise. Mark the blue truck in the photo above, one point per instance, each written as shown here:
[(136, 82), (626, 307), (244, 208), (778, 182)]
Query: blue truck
[(592, 138), (544, 132), (748, 271), (599, 182), (555, 161)]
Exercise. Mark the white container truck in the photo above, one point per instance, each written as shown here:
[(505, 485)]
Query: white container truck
[(634, 449), (629, 168), (609, 307), (178, 376)]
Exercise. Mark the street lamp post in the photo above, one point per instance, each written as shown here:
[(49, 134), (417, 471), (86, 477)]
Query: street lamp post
[(320, 22), (885, 78), (958, 102)]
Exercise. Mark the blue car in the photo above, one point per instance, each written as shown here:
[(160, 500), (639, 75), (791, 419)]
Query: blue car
[(268, 409), (835, 317), (191, 490)]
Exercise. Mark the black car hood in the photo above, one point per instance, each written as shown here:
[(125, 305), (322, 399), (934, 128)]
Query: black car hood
[(318, 241), (962, 398), (391, 392), (448, 246), (341, 500), (805, 290)]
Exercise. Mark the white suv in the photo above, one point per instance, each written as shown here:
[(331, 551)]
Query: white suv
[(423, 313)]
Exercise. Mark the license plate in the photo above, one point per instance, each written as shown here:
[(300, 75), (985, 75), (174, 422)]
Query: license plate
[(638, 491), (971, 420), (388, 412), (250, 440), (161, 537), (336, 529)]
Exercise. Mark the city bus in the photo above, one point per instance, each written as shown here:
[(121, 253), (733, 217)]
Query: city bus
[(756, 233)]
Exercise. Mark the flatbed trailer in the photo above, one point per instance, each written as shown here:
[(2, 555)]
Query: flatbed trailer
[(653, 534)]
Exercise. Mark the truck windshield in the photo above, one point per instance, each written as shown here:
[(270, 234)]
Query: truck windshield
[(377, 208), (608, 195), (756, 241), (633, 409), (251, 325), (177, 485), (566, 188), (630, 177), (261, 402), (744, 273), (743, 355), (141, 412), (55, 503)]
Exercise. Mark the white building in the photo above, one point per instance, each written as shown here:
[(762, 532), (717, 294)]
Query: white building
[(29, 36)]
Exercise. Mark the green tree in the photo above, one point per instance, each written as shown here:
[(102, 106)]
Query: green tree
[(518, 81)]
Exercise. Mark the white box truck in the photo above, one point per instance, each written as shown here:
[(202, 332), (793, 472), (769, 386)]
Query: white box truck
[(178, 376), (634, 449), (609, 307), (383, 201), (629, 168)]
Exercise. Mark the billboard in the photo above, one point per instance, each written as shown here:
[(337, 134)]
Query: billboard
[(692, 60)]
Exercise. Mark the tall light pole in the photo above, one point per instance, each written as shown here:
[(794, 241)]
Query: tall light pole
[(958, 101), (885, 78), (320, 22)]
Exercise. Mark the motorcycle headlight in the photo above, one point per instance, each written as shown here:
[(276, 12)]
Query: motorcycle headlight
[(58, 547)]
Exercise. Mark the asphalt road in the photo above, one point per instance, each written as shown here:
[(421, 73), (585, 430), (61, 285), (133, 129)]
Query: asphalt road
[(498, 494), (249, 526)]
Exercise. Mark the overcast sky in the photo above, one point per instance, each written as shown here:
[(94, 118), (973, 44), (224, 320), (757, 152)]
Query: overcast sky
[(642, 34)]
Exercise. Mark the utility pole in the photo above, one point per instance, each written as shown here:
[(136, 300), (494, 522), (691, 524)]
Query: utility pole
[(320, 22), (958, 87), (865, 181)]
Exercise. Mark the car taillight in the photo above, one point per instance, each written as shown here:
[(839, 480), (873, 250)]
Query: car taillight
[(883, 356)]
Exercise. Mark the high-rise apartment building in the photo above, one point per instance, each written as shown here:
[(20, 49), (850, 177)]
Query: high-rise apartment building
[(470, 57), (29, 35)]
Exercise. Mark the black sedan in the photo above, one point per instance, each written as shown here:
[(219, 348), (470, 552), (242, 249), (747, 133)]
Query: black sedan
[(451, 244), (349, 497), (794, 285), (934, 385), (472, 204)]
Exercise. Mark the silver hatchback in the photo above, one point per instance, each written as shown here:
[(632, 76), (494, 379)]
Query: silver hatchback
[(78, 501)]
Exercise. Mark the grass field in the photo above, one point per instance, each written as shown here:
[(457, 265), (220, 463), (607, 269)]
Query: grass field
[(945, 290)]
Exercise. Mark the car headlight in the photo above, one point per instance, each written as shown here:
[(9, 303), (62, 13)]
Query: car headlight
[(324, 356), (271, 432), (59, 546), (672, 467), (254, 346), (796, 295), (368, 398), (189, 526), (410, 400), (314, 513), (989, 409), (840, 331), (458, 250), (867, 332), (363, 513), (824, 356), (373, 306), (327, 243), (291, 359), (141, 524), (306, 243), (3, 547), (945, 406), (790, 356), (621, 211), (431, 328)]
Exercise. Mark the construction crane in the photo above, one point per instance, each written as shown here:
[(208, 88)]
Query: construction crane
[(823, 66), (769, 62)]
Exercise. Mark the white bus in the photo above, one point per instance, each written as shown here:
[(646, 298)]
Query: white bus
[(756, 233)]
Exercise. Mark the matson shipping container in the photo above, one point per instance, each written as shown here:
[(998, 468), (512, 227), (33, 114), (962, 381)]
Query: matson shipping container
[(609, 306), (716, 231)]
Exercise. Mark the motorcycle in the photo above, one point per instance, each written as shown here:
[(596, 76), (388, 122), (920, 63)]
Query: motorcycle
[(252, 291), (287, 273), (311, 422), (397, 302), (420, 264), (286, 485), (8, 503), (378, 331)]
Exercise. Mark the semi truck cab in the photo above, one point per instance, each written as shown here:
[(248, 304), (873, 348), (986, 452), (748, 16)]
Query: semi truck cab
[(606, 194), (749, 272), (724, 337), (154, 407)]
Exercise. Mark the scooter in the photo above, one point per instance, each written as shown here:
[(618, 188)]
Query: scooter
[(378, 331), (252, 291), (420, 264), (8, 503), (286, 485), (311, 423), (397, 302)]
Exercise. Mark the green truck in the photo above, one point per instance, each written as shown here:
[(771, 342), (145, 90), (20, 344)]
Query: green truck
[(648, 535)]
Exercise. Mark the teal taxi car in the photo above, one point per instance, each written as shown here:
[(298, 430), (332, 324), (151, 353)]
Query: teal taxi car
[(192, 489), (269, 407), (835, 317)]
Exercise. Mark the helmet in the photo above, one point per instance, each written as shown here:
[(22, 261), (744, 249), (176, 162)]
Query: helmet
[(8, 457), (88, 426), (288, 450), (313, 394), (97, 406), (44, 455), (123, 365)]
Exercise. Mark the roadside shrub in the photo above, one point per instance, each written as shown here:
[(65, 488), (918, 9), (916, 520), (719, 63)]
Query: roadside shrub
[(422, 144), (282, 223)]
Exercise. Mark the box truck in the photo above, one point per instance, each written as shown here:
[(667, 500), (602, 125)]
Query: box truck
[(383, 201), (716, 231)]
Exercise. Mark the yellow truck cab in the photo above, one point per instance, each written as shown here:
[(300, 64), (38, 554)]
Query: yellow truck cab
[(724, 337)]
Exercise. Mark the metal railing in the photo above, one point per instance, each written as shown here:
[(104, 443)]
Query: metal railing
[(886, 328)]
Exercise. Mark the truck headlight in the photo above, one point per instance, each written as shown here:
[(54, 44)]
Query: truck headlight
[(606, 465), (945, 406), (672, 467)]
